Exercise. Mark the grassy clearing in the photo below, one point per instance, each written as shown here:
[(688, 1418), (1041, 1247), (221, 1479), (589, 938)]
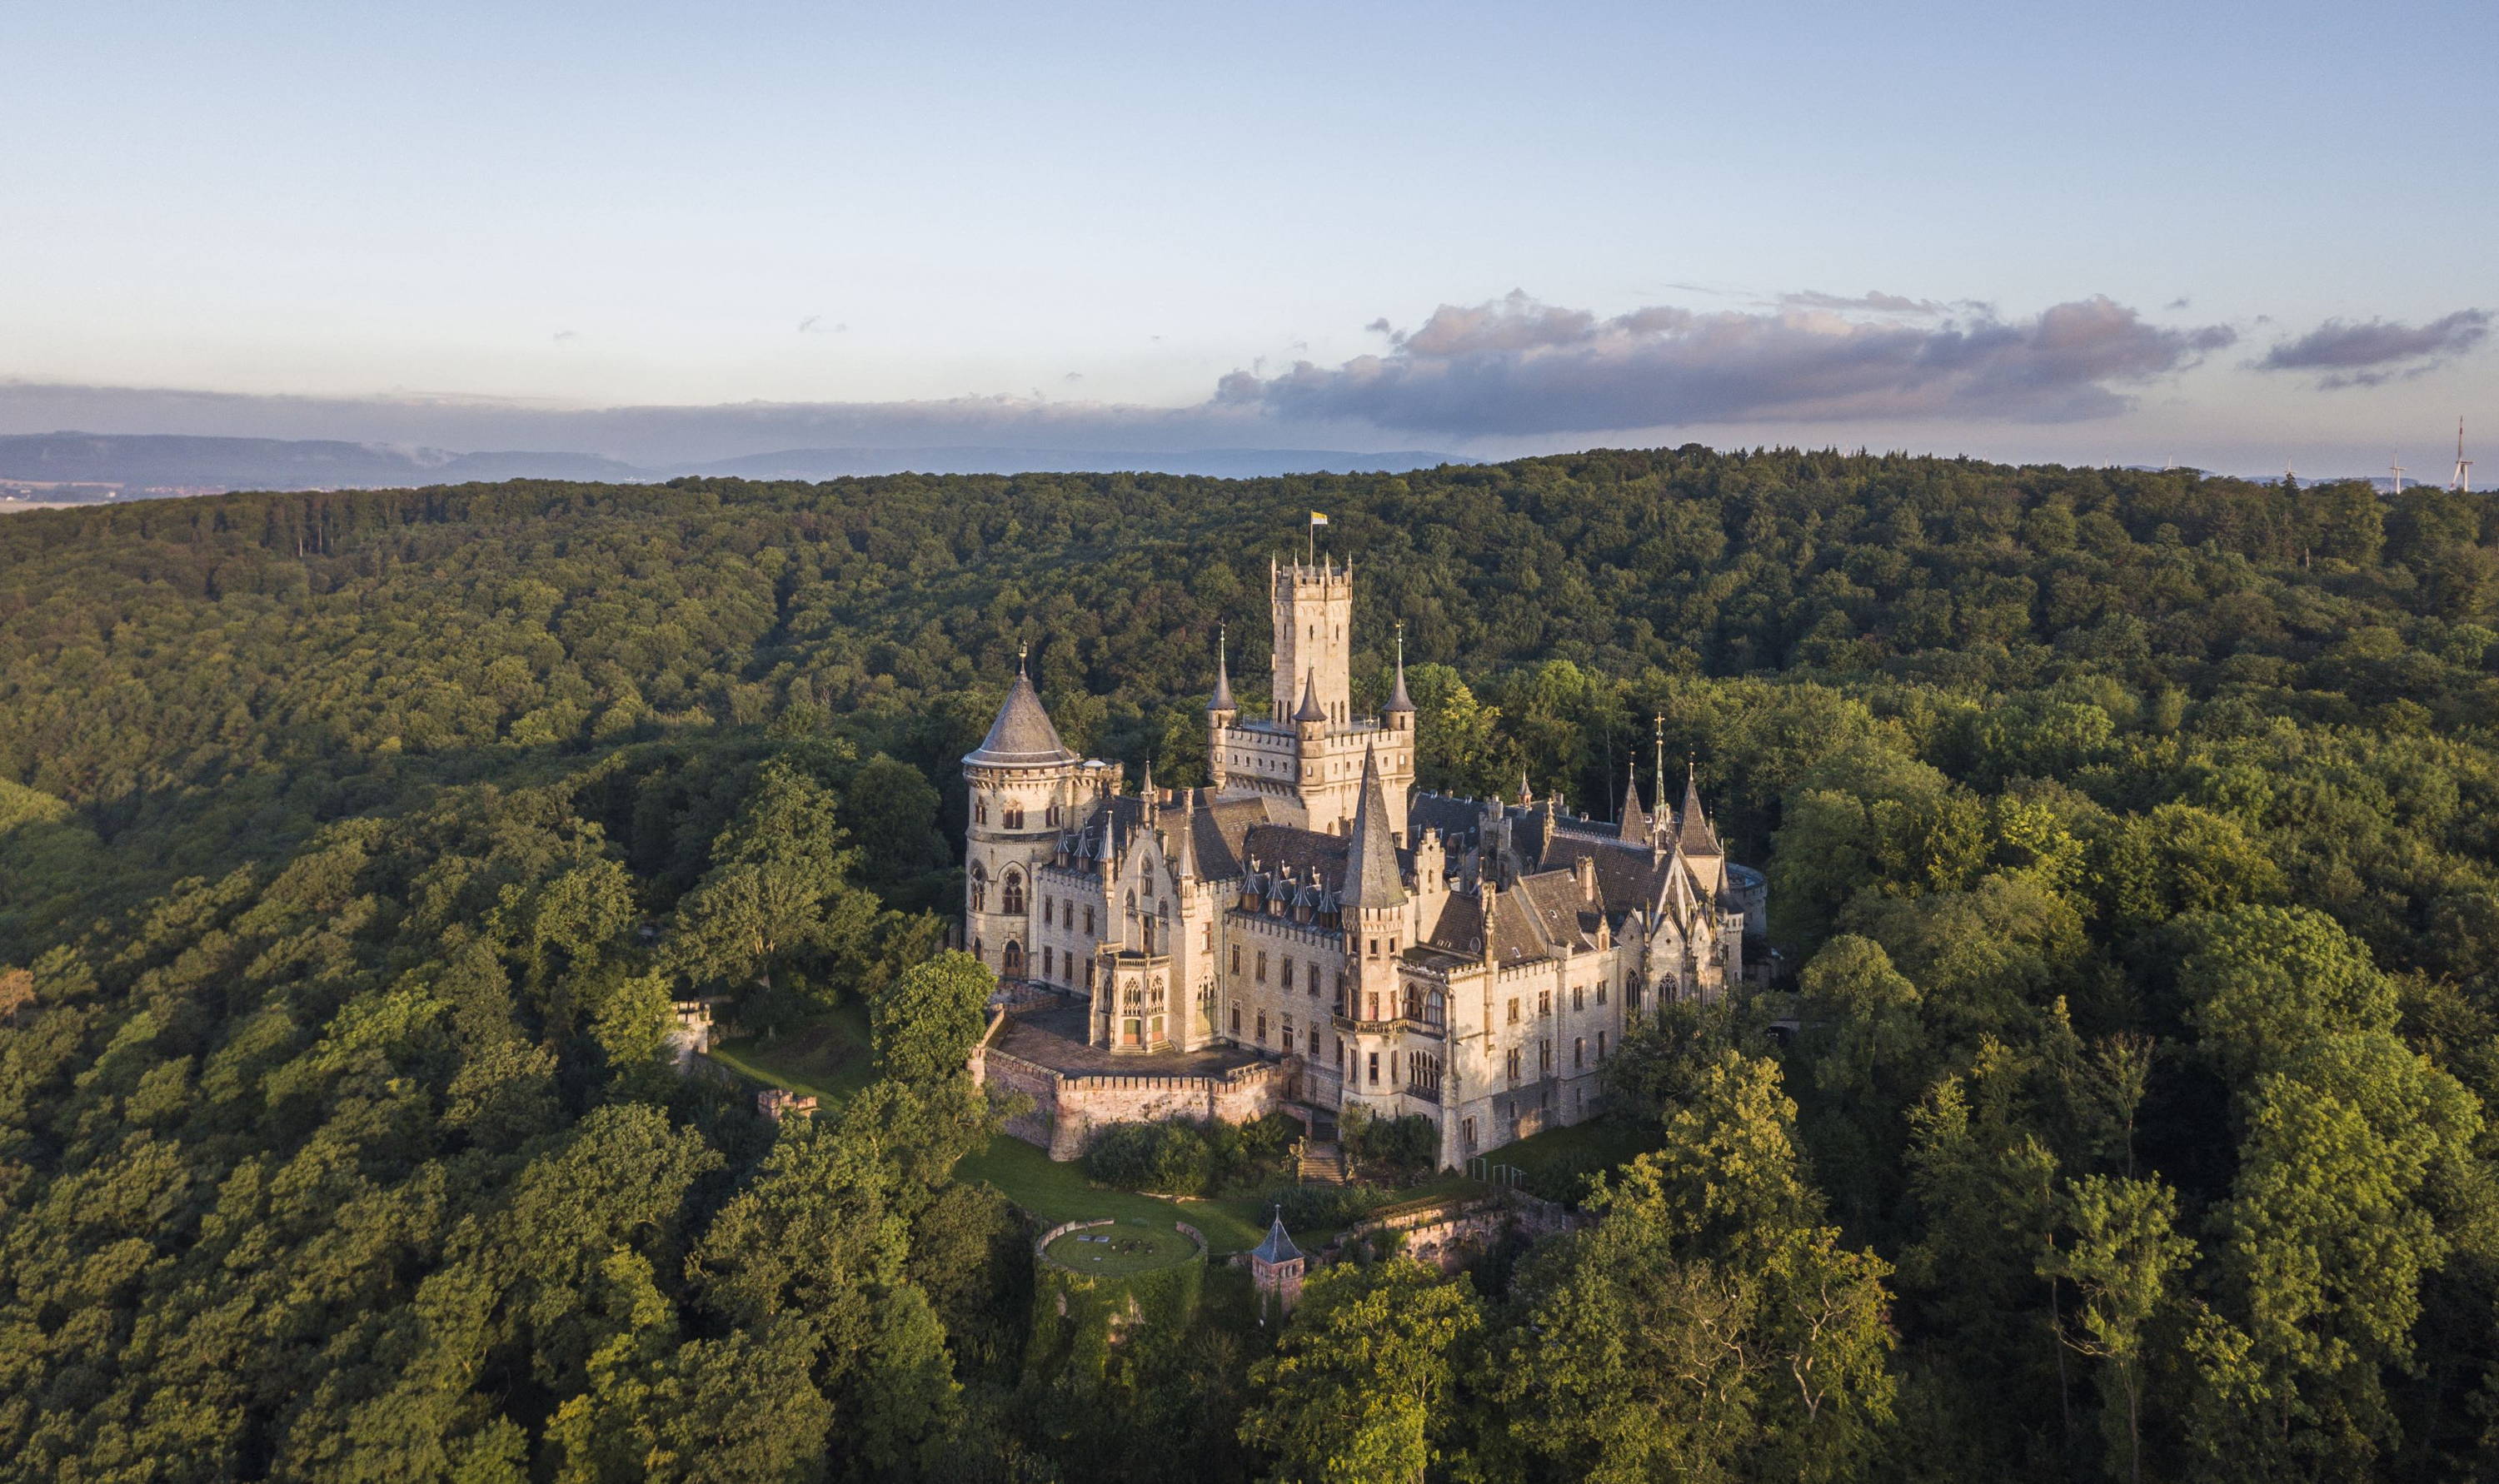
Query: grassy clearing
[(1054, 1192), (830, 1056), (1122, 1249)]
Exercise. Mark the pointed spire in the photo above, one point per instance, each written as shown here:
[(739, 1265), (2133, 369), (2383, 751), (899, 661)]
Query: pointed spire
[(1222, 677), (1526, 794), (1279, 1246), (1185, 851), (1634, 823), (1398, 699), (1658, 824), (1023, 736), (1371, 875), (1694, 836), (1310, 710)]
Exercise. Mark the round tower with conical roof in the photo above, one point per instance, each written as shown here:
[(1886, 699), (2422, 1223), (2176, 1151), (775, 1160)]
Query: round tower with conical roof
[(1024, 785)]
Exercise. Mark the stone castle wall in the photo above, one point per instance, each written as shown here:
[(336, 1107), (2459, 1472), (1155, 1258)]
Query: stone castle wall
[(1068, 1107)]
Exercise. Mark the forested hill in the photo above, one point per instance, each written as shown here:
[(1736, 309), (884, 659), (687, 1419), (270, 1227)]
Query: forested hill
[(2132, 834)]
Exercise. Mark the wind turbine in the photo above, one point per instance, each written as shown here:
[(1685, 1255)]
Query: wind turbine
[(2463, 465), (2399, 468)]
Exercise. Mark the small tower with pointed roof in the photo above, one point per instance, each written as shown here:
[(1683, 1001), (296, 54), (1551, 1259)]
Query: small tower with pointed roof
[(1023, 782), (1276, 1269)]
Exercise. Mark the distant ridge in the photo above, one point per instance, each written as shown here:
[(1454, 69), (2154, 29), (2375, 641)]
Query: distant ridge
[(1220, 463), (92, 465), (175, 464)]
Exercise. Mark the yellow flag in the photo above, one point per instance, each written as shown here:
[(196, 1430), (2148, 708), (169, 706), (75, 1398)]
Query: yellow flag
[(1318, 519)]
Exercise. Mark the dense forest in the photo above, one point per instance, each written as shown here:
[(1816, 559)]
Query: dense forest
[(2133, 845)]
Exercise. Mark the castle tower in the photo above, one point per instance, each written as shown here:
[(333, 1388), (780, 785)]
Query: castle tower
[(1275, 1271), (1313, 610), (1023, 782), (1373, 907), (1305, 754)]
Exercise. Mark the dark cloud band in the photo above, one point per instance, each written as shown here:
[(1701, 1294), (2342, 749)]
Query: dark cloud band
[(2376, 350), (1519, 366)]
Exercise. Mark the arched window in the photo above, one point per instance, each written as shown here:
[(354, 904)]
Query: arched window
[(1011, 965), (980, 809), (1013, 815), (1434, 1009), (980, 888), (1011, 892)]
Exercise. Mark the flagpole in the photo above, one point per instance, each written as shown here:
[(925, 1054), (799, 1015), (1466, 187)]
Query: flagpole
[(1313, 526)]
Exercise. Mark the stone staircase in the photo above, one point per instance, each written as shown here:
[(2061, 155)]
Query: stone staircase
[(1323, 1163)]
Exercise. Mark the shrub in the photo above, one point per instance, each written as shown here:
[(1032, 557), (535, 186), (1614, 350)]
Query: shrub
[(1166, 1158), (1408, 1144)]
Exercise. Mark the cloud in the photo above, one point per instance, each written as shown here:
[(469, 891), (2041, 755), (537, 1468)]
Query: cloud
[(2376, 351), (567, 334), (1519, 366), (1873, 301)]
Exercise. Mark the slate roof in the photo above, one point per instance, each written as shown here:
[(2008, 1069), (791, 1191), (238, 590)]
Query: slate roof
[(1456, 819), (1310, 710), (1371, 877), (1278, 1247), (1021, 737)]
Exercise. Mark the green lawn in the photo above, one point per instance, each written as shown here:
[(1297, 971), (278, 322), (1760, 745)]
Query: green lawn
[(1055, 1192), (1123, 1248), (829, 1055)]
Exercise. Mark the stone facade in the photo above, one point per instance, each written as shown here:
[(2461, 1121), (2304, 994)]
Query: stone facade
[(1470, 961)]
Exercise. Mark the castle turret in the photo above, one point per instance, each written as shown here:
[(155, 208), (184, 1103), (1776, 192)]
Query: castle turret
[(1399, 713), (1022, 778)]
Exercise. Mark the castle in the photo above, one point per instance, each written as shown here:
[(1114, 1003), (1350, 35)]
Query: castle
[(1315, 930)]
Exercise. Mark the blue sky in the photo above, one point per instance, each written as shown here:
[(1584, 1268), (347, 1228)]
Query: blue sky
[(452, 223)]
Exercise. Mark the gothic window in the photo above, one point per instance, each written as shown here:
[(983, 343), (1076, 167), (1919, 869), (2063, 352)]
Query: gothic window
[(978, 952), (1414, 1003), (1288, 1035), (1011, 892), (1011, 815), (980, 888), (1089, 920), (980, 809)]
